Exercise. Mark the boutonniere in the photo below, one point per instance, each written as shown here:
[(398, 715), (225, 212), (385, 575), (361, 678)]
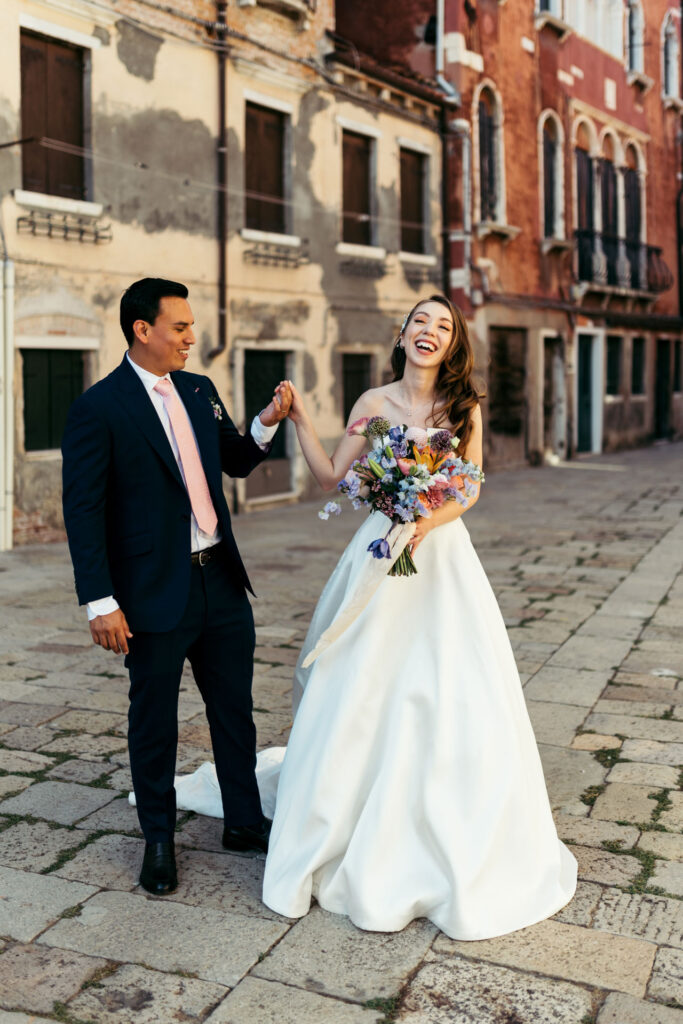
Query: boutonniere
[(217, 411)]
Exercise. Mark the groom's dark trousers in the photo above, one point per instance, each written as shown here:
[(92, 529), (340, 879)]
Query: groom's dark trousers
[(127, 515)]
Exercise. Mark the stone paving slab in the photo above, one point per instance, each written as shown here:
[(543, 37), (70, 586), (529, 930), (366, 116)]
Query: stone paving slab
[(672, 817), (35, 846), (136, 995), (667, 976), (257, 1001), (662, 844), (581, 909), (110, 862), (553, 723), (654, 918), (653, 752), (10, 785), (31, 902), (566, 951), (84, 772), (214, 945), (623, 802), (656, 776), (637, 728), (669, 877), (621, 1009), (224, 882), (117, 815), (566, 686), (448, 990), (33, 977), (63, 802), (326, 953), (22, 1018), (23, 761), (593, 832)]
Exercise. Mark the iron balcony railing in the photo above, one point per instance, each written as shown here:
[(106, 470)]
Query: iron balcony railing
[(604, 259)]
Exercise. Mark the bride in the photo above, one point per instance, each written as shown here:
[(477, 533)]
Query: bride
[(411, 785)]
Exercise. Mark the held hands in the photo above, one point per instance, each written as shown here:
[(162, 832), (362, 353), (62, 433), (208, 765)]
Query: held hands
[(279, 406), (297, 411), (111, 632), (422, 527)]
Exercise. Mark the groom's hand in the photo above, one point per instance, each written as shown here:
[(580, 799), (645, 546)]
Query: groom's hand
[(279, 406), (111, 632)]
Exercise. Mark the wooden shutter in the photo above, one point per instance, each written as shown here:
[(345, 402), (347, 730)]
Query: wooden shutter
[(613, 384), (487, 161), (412, 201), (53, 379), (549, 184), (356, 214), (584, 189), (610, 224), (264, 169), (633, 224), (638, 366), (52, 107)]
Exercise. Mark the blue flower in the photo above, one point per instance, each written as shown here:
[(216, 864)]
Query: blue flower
[(396, 434), (380, 548)]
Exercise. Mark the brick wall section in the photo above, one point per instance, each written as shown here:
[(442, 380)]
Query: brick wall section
[(31, 529)]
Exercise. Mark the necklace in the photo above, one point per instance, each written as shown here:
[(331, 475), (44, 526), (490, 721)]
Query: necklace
[(412, 408)]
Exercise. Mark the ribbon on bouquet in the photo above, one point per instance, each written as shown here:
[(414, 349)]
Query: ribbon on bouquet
[(362, 589)]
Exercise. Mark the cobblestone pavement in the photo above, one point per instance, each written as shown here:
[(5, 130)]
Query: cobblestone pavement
[(586, 563)]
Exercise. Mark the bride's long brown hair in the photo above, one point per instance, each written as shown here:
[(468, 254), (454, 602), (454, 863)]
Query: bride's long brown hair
[(454, 384)]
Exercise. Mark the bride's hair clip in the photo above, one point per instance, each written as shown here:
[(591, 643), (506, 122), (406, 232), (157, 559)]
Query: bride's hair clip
[(405, 322)]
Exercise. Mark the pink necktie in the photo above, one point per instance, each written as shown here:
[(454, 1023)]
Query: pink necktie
[(195, 480)]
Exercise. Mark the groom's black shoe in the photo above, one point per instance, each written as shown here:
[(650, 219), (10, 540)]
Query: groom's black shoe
[(247, 838), (158, 874)]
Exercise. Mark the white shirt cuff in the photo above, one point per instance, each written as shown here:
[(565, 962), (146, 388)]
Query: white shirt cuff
[(262, 434), (102, 606)]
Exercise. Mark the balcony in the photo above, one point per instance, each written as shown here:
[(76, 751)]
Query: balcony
[(611, 262)]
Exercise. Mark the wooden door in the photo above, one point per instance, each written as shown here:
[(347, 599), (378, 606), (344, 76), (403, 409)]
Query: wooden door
[(263, 370), (584, 384), (663, 388)]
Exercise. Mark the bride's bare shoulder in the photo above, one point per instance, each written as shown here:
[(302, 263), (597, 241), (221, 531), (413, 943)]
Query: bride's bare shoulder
[(373, 402)]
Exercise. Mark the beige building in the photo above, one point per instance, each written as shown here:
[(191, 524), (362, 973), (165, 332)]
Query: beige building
[(226, 145)]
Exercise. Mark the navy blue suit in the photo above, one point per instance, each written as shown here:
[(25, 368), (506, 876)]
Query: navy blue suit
[(127, 515)]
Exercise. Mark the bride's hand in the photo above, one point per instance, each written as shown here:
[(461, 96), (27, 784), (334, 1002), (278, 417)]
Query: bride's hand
[(297, 411), (422, 528)]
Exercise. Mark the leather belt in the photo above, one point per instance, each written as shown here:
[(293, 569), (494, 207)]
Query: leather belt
[(204, 556)]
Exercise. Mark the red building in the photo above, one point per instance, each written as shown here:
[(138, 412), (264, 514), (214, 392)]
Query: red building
[(563, 236)]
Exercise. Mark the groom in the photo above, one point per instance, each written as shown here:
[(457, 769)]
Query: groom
[(156, 563)]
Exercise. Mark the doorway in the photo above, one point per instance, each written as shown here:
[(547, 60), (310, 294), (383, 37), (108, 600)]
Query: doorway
[(554, 398), (590, 376), (263, 370), (507, 393), (663, 388)]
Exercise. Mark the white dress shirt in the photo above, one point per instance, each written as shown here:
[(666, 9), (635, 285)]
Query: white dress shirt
[(198, 539)]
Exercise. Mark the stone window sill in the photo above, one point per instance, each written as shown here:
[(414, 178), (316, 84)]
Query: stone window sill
[(272, 237), (423, 259), (367, 252), (641, 80), (57, 204), (491, 227), (544, 18), (672, 103), (555, 245)]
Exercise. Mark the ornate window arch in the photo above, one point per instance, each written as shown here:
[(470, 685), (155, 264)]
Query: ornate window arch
[(671, 88), (551, 175), (635, 211), (586, 213), (488, 155)]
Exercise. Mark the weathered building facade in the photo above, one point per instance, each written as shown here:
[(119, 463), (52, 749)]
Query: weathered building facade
[(564, 216), (229, 145)]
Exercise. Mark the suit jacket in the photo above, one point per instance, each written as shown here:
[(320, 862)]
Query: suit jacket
[(126, 508)]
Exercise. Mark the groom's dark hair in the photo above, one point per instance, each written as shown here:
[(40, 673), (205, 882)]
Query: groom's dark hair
[(141, 302)]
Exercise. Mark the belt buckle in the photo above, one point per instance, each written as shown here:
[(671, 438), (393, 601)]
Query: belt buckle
[(204, 557)]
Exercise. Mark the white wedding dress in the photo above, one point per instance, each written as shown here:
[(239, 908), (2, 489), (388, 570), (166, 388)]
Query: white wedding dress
[(411, 785)]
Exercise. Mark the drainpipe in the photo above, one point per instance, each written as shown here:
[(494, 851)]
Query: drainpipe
[(461, 127), (679, 208), (222, 175), (452, 94), (7, 403)]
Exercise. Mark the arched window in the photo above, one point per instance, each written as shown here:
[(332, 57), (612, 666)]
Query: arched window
[(635, 37), (489, 184), (551, 147), (585, 220), (610, 209), (670, 75), (633, 217)]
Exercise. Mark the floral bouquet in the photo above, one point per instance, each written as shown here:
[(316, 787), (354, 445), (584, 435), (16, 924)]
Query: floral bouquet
[(409, 473)]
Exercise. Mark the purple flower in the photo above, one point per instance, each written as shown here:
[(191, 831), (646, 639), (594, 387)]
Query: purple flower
[(380, 548), (396, 434), (441, 441), (377, 426)]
